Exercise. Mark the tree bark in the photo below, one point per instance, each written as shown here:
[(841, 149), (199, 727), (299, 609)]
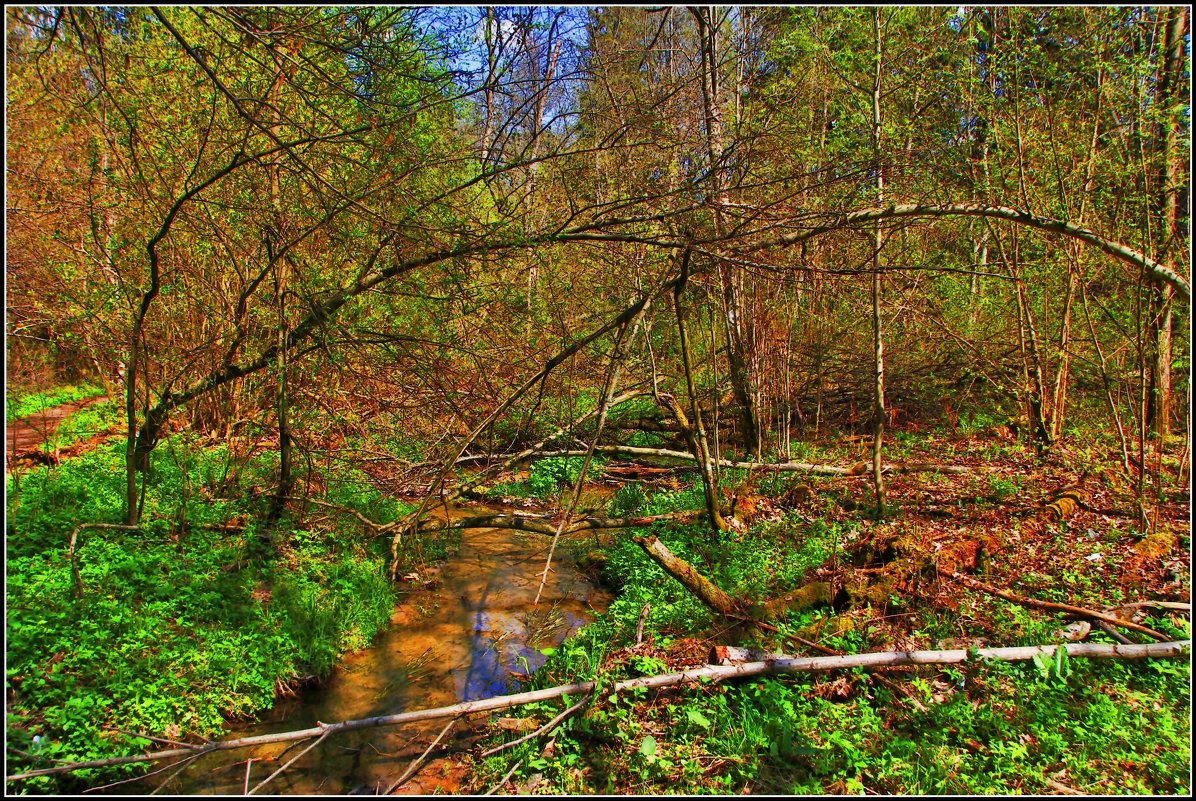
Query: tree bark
[(878, 342), (730, 278), (703, 588), (1173, 236)]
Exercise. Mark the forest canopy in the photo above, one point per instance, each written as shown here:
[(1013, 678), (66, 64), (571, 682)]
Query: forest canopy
[(209, 208)]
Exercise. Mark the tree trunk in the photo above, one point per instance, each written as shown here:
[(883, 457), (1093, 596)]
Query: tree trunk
[(1173, 236), (878, 342), (730, 277), (703, 588), (1167, 650), (275, 242), (695, 434)]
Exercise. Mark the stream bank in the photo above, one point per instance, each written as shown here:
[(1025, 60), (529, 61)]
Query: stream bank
[(470, 632)]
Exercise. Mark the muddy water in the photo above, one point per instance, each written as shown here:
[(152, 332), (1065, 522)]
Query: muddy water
[(472, 635)]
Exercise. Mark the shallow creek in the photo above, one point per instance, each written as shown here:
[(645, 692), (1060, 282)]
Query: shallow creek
[(472, 635)]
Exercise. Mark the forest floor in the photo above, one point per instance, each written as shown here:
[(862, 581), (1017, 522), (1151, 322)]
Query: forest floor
[(180, 625), (27, 438), (891, 589)]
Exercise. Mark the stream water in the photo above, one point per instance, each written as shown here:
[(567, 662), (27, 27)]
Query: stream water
[(473, 635)]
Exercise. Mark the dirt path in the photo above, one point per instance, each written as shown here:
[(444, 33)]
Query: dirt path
[(23, 438)]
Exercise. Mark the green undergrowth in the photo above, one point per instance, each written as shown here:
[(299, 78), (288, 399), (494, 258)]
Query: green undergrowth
[(18, 407), (104, 417), (200, 615), (547, 478), (987, 727)]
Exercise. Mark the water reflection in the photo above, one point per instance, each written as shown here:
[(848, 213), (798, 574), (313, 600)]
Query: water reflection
[(472, 637)]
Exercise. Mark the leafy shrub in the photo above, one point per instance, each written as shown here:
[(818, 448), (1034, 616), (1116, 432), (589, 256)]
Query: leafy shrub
[(550, 474), (178, 625)]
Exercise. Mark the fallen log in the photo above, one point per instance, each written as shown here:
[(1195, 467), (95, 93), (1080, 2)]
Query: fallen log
[(635, 471), (1064, 505), (718, 600), (858, 469), (1177, 648), (736, 655), (703, 588), (542, 524)]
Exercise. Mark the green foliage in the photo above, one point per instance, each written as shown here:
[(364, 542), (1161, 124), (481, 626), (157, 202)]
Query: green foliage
[(1003, 487), (627, 500), (988, 727), (645, 439), (179, 625), (551, 474), (18, 407)]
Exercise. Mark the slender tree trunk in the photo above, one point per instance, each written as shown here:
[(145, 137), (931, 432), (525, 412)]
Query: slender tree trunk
[(131, 454), (878, 343), (1167, 202), (1104, 374), (1062, 373), (274, 244), (1075, 277), (695, 432), (731, 277)]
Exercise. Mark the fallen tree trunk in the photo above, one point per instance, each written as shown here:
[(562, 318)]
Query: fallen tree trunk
[(718, 600), (543, 525), (706, 590), (859, 469), (712, 673), (635, 471)]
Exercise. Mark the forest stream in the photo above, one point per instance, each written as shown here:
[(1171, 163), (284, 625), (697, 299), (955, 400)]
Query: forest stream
[(473, 633)]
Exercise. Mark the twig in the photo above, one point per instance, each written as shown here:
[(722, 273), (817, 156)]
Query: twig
[(1114, 633), (639, 629), (547, 727), (162, 740), (182, 763), (248, 767), (76, 579), (612, 380), (872, 674), (379, 528), (1172, 605), (414, 766), (289, 762), (1049, 606), (504, 779)]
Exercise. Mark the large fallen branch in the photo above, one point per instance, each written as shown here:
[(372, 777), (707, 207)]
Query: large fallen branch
[(711, 673), (543, 525), (706, 590), (718, 600), (835, 222), (858, 469)]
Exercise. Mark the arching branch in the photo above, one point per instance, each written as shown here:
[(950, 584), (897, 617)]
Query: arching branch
[(835, 222)]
